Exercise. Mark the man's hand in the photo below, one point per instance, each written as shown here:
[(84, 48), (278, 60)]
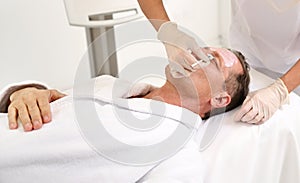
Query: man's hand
[(32, 107), (260, 105), (182, 49)]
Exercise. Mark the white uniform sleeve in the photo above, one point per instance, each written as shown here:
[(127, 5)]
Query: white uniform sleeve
[(9, 89)]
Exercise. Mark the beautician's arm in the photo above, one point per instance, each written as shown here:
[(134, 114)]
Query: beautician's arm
[(32, 107), (292, 78), (176, 41), (154, 10), (260, 105)]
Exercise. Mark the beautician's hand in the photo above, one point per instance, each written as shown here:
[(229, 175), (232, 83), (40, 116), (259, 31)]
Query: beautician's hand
[(260, 105), (182, 49), (32, 107)]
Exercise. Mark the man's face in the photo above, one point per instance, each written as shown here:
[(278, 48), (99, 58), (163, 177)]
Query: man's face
[(224, 64), (209, 80)]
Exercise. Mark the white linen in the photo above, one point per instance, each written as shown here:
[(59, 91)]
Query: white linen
[(235, 152), (186, 166), (223, 150), (268, 153), (59, 151)]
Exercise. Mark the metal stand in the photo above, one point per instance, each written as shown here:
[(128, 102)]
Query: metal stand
[(102, 51)]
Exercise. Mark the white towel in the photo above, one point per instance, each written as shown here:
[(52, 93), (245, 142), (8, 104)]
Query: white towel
[(62, 152)]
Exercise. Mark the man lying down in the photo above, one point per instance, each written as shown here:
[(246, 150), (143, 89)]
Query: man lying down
[(64, 149)]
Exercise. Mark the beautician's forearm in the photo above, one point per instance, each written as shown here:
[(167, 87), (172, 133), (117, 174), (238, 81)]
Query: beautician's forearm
[(154, 11), (292, 78)]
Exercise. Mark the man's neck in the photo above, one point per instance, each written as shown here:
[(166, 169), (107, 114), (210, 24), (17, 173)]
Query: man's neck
[(169, 94)]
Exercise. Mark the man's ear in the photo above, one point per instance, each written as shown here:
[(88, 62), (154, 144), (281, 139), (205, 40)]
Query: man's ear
[(220, 100)]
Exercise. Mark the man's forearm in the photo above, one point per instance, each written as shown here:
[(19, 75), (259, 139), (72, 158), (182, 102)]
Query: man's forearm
[(292, 78), (154, 11)]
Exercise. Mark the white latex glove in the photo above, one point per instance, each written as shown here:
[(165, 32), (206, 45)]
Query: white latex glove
[(260, 105), (182, 49)]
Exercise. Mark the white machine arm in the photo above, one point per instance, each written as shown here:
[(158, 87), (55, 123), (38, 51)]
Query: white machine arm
[(79, 12), (98, 17)]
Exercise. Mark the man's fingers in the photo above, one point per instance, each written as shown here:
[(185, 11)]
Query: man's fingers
[(31, 106), (35, 115), (12, 117), (44, 106), (55, 95), (24, 117)]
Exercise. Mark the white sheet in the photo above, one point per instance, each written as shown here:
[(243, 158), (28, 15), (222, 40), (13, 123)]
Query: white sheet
[(224, 151), (59, 151), (234, 152)]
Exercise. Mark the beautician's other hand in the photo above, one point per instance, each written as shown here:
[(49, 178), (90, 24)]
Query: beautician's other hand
[(260, 105), (32, 107), (182, 49)]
